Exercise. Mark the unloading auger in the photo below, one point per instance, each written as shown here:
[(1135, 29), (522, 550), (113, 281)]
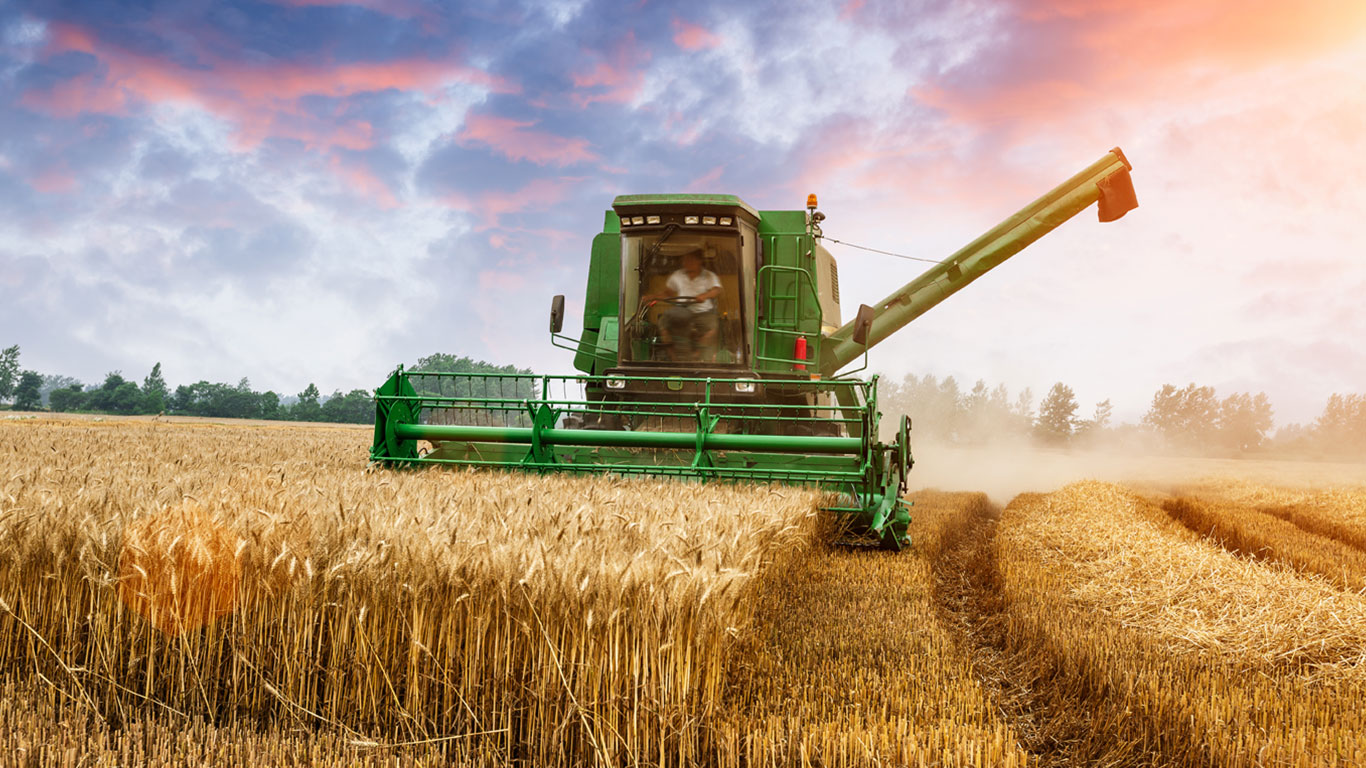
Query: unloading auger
[(712, 347)]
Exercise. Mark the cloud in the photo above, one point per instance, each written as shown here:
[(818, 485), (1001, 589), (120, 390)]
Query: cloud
[(54, 180), (491, 206), (262, 100), (613, 79), (515, 140), (693, 37), (403, 9), (1063, 57), (707, 181), (360, 178), (283, 180)]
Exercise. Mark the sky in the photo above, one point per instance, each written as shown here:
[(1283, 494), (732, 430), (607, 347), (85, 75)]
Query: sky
[(304, 191)]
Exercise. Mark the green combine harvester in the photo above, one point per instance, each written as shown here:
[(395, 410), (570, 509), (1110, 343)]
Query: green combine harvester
[(713, 349)]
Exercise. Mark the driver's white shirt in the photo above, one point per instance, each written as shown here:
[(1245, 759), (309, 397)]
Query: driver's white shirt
[(682, 285)]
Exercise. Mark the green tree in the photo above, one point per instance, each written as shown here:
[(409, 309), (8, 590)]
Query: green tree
[(182, 401), (307, 408), (68, 399), (54, 382), (9, 371), (218, 400), (444, 363), (154, 391), (354, 407), (27, 395), (102, 399), (126, 399), (270, 405), (1057, 414), (503, 381)]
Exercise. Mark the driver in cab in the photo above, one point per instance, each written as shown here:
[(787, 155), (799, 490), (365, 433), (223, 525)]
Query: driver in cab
[(690, 324)]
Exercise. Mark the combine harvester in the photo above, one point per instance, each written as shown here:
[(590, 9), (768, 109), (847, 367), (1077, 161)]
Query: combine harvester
[(712, 348)]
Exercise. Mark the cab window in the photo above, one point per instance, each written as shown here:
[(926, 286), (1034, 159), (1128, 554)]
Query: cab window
[(681, 301)]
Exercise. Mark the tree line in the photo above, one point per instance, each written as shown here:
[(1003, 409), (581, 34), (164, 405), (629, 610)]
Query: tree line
[(28, 390), (1189, 419), (1192, 419)]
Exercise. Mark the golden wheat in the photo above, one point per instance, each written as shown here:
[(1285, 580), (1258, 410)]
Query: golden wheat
[(38, 727), (555, 620)]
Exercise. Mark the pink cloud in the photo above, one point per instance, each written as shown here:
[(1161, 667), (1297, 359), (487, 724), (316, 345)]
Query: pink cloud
[(514, 140), (619, 85), (1074, 74), (491, 206), (616, 79), (364, 182), (401, 9), (260, 100), (1123, 51), (53, 181), (692, 37), (924, 170), (68, 37), (537, 244), (83, 93), (707, 181), (851, 9)]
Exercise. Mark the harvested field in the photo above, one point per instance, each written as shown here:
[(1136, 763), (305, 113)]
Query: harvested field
[(1192, 655), (251, 595), (1272, 536), (1337, 513), (850, 664)]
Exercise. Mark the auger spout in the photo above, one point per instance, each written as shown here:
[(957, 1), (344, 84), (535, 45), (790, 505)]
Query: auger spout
[(1106, 180)]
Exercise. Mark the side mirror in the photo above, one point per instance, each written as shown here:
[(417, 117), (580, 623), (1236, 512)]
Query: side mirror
[(863, 324), (557, 313)]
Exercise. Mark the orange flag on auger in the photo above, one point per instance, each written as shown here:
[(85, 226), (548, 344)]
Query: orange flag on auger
[(1117, 196)]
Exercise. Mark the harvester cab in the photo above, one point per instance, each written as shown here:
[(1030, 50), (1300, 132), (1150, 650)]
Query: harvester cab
[(712, 348)]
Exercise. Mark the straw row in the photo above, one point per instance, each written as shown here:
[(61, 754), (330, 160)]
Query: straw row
[(1264, 535), (1217, 659), (850, 664), (1338, 513)]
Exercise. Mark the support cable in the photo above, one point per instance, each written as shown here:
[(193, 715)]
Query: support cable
[(884, 253)]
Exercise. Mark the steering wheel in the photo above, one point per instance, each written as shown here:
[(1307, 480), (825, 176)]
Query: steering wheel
[(677, 301)]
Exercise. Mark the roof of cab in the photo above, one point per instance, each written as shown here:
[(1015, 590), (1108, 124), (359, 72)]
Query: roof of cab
[(683, 198)]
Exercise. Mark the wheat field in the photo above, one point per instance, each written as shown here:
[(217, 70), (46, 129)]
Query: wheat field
[(197, 593)]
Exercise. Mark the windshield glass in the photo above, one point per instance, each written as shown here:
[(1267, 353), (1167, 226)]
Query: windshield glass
[(681, 297)]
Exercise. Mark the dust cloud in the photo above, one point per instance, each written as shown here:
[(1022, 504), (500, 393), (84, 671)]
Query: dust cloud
[(1005, 470)]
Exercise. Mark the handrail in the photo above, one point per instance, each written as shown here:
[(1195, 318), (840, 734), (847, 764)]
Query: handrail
[(803, 280)]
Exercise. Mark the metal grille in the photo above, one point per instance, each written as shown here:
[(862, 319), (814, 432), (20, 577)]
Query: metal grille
[(511, 400), (795, 432)]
